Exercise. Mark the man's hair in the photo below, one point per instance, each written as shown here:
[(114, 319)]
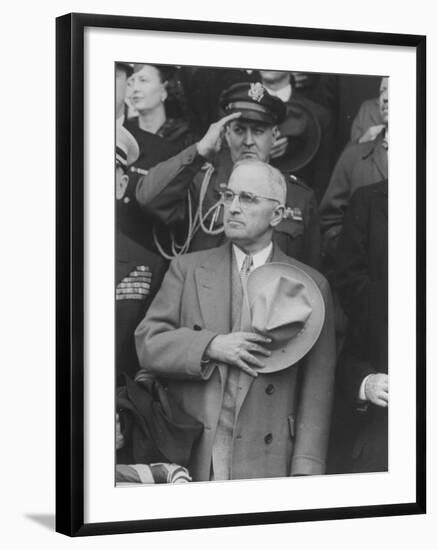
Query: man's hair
[(275, 178)]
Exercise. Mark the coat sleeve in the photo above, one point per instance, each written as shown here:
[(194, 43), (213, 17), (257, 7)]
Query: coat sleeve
[(315, 401), (336, 198), (164, 346), (163, 192)]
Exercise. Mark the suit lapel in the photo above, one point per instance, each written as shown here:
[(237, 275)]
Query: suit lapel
[(213, 279)]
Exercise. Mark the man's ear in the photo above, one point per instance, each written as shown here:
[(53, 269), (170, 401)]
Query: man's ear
[(277, 215), (120, 186), (275, 132)]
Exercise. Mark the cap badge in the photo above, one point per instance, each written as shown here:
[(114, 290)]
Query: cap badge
[(256, 92)]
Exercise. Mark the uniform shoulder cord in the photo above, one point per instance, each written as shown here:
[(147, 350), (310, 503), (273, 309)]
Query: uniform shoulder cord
[(196, 221)]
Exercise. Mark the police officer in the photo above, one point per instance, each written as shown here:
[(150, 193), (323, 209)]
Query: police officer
[(184, 191)]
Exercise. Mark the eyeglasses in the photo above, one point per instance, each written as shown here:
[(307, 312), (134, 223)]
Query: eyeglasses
[(245, 198)]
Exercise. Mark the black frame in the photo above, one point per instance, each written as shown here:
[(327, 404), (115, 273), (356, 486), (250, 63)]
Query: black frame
[(70, 273)]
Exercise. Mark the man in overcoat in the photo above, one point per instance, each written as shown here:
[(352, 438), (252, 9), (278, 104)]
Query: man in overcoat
[(359, 165), (256, 425), (361, 280)]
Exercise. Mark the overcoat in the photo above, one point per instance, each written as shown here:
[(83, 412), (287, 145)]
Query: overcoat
[(361, 280), (359, 165), (282, 419)]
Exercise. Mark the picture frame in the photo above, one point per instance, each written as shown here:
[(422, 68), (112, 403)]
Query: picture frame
[(73, 357)]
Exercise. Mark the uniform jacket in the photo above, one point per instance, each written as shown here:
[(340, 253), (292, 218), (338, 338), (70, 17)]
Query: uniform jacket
[(163, 195), (129, 313), (359, 165), (361, 280), (170, 139), (283, 418)]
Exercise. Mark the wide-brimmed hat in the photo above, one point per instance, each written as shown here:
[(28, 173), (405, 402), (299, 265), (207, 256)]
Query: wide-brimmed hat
[(287, 306), (304, 134), (254, 103)]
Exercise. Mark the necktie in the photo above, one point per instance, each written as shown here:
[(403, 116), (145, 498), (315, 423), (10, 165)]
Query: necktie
[(245, 269), (223, 443), (244, 275)]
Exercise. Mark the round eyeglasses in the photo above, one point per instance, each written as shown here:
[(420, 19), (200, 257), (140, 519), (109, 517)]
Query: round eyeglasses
[(245, 198)]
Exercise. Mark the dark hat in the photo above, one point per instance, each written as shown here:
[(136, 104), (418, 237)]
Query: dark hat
[(304, 134), (127, 67), (166, 71), (254, 102)]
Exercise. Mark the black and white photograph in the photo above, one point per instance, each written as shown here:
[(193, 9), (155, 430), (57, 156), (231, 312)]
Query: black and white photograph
[(242, 348), (251, 261)]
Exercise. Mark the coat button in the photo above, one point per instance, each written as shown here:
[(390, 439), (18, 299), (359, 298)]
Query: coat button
[(268, 439), (270, 389)]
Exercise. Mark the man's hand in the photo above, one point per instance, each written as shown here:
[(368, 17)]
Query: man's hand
[(376, 389), (279, 147), (211, 142), (371, 133), (119, 438), (237, 348), (136, 286)]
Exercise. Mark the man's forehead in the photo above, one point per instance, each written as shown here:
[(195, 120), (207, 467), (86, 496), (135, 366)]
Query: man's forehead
[(248, 176)]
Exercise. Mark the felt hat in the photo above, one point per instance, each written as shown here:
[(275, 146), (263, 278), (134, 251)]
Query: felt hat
[(304, 134), (254, 103), (285, 305)]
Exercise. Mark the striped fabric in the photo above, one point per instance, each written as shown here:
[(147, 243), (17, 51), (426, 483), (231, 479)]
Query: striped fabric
[(159, 472)]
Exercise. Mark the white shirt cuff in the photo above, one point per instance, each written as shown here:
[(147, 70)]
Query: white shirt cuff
[(362, 393)]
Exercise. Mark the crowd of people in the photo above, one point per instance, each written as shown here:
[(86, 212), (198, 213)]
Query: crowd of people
[(251, 273)]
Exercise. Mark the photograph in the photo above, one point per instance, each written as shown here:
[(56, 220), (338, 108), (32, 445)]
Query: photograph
[(251, 254), (229, 305)]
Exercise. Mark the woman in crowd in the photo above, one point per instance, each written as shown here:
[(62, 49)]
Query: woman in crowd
[(160, 132), (159, 128)]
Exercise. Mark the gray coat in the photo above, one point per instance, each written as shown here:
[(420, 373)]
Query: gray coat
[(283, 418)]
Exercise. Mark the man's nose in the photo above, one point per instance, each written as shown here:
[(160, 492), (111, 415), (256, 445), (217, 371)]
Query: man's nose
[(235, 205), (248, 137)]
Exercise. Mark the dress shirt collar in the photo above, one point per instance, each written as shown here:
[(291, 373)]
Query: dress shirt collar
[(260, 258)]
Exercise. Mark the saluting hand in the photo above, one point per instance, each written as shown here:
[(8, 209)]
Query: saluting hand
[(237, 348), (212, 140)]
